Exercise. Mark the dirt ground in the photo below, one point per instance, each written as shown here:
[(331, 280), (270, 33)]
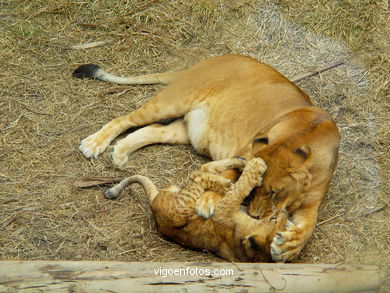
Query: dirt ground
[(45, 113)]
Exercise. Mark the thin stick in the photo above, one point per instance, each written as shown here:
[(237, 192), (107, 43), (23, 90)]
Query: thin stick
[(369, 213), (327, 220), (89, 45), (378, 209), (315, 72), (93, 226)]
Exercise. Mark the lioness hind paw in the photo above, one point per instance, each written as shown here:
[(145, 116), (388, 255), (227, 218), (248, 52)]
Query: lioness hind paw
[(92, 146), (119, 158)]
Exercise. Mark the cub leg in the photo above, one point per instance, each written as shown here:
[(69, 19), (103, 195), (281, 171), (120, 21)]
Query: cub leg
[(206, 187), (174, 208), (174, 133), (167, 104), (209, 181), (229, 205), (205, 205), (217, 167)]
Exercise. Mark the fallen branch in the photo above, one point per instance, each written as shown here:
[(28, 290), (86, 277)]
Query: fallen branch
[(315, 72)]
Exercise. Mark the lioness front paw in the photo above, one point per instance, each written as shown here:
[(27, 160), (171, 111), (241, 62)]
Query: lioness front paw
[(288, 244), (93, 145)]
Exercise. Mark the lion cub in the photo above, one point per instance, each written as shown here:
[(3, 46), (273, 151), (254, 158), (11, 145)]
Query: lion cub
[(230, 233)]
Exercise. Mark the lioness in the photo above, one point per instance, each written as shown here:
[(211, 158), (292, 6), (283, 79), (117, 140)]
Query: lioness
[(223, 105), (230, 233)]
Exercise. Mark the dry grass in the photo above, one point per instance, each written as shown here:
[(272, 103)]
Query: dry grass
[(45, 114)]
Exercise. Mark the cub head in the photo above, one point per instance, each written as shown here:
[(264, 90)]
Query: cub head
[(286, 180), (257, 245)]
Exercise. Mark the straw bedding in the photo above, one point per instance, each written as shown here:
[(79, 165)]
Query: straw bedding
[(45, 113)]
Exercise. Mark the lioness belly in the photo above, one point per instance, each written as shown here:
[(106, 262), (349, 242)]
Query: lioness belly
[(203, 136), (197, 126), (209, 137)]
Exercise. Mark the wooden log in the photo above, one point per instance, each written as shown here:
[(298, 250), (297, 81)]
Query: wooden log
[(95, 276)]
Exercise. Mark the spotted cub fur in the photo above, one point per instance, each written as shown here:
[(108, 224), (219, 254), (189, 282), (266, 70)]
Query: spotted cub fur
[(230, 232)]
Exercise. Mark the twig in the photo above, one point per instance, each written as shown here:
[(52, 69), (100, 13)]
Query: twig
[(238, 268), (93, 226), (327, 220), (369, 213), (89, 45), (315, 72), (378, 209), (366, 214)]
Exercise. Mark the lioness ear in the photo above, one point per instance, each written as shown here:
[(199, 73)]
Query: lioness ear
[(304, 152), (259, 143), (263, 139)]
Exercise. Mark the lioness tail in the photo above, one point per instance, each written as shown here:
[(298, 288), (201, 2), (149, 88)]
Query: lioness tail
[(96, 72)]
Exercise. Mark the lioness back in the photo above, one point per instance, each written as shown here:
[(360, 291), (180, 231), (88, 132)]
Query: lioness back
[(233, 94)]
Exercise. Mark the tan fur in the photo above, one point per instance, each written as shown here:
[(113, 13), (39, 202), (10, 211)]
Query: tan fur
[(227, 102), (230, 232)]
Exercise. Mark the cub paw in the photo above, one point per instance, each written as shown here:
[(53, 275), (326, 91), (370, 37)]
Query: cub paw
[(288, 244), (205, 205), (258, 167), (237, 163), (93, 145)]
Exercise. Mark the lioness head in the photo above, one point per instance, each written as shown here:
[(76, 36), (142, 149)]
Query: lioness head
[(286, 180)]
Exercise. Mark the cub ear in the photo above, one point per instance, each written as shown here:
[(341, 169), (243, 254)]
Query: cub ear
[(252, 243), (304, 152), (255, 243)]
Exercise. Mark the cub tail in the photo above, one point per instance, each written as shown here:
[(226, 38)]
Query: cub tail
[(147, 184)]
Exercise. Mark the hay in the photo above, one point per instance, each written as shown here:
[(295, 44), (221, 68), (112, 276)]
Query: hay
[(45, 114)]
